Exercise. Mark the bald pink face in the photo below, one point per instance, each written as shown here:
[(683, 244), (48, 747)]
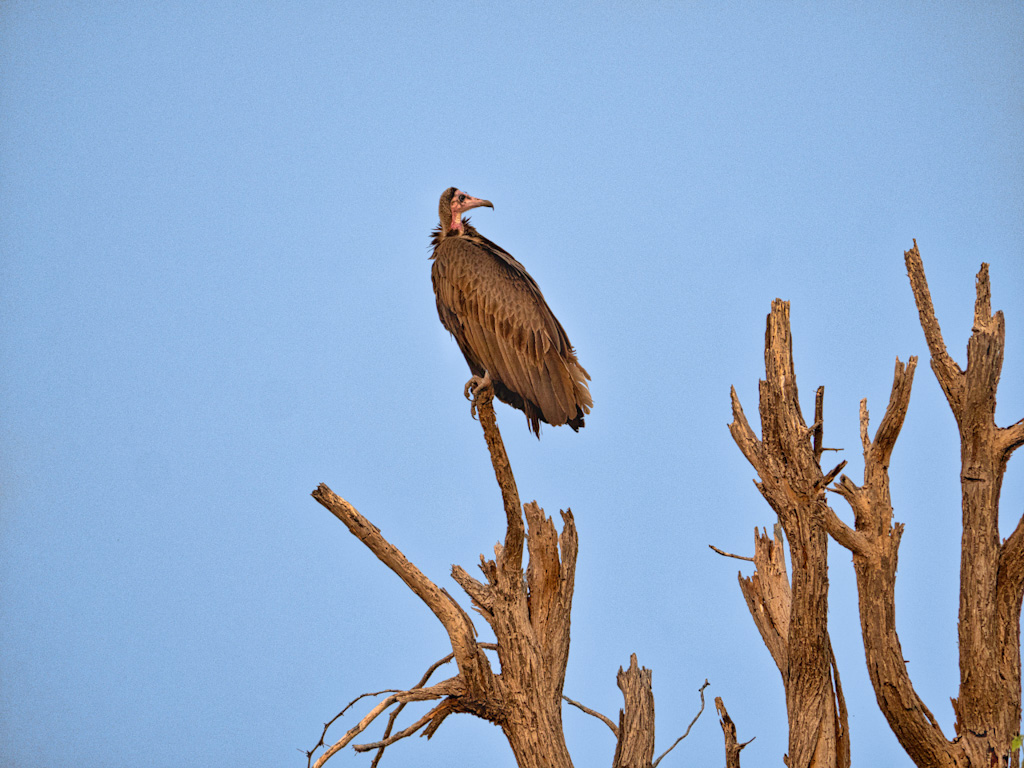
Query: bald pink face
[(461, 202)]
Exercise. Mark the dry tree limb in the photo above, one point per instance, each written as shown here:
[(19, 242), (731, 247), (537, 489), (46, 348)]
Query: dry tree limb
[(484, 405), (732, 749), (875, 544), (393, 717), (450, 687), (460, 630), (346, 708), (604, 719), (437, 714), (793, 619), (723, 553), (768, 596), (687, 732)]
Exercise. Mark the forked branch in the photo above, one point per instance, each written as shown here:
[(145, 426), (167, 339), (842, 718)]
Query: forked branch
[(988, 707), (450, 687), (793, 618)]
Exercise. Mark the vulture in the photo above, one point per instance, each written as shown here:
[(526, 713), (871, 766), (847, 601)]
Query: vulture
[(509, 336)]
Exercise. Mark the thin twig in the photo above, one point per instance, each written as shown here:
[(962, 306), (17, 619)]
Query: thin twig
[(701, 692), (818, 428), (452, 686), (730, 554), (394, 714), (598, 715), (828, 478), (389, 739), (329, 723), (398, 710)]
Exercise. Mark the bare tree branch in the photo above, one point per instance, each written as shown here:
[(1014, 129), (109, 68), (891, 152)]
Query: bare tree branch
[(1010, 439), (695, 718), (398, 710), (452, 686), (946, 370), (460, 629), (606, 720), (840, 531), (480, 594), (843, 754), (818, 428), (513, 550), (329, 723), (988, 707), (768, 596), (732, 749), (444, 706), (730, 554), (874, 545)]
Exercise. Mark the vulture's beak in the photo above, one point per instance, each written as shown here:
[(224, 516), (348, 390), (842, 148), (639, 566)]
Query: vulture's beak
[(474, 202)]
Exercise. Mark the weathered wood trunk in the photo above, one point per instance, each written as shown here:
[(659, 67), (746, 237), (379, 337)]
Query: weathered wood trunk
[(793, 620), (635, 746)]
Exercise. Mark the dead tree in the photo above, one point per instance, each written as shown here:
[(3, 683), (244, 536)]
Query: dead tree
[(988, 708), (529, 614), (793, 620)]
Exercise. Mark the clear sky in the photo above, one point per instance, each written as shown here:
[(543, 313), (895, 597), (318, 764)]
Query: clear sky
[(215, 294)]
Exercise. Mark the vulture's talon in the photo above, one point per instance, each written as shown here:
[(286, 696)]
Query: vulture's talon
[(477, 386)]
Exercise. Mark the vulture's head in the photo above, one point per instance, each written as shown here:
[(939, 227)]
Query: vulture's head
[(454, 203)]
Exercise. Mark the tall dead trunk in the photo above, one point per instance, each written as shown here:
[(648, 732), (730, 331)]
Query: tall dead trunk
[(793, 619)]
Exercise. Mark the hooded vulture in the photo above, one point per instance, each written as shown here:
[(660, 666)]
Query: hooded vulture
[(506, 331)]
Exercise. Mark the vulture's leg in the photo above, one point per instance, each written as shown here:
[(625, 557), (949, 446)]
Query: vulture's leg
[(477, 387)]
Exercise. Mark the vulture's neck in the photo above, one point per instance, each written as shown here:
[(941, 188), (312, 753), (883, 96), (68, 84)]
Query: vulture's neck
[(440, 233), (464, 229)]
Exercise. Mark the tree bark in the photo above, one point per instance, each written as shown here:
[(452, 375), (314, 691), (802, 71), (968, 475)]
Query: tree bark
[(787, 461), (635, 747), (732, 747)]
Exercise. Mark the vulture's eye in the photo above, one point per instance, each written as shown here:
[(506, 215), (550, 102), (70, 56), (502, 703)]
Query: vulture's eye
[(462, 198)]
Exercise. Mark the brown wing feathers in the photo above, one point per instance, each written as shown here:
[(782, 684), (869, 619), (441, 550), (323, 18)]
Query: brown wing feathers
[(496, 312)]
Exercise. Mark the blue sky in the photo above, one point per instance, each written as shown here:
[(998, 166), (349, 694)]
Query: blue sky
[(215, 294)]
